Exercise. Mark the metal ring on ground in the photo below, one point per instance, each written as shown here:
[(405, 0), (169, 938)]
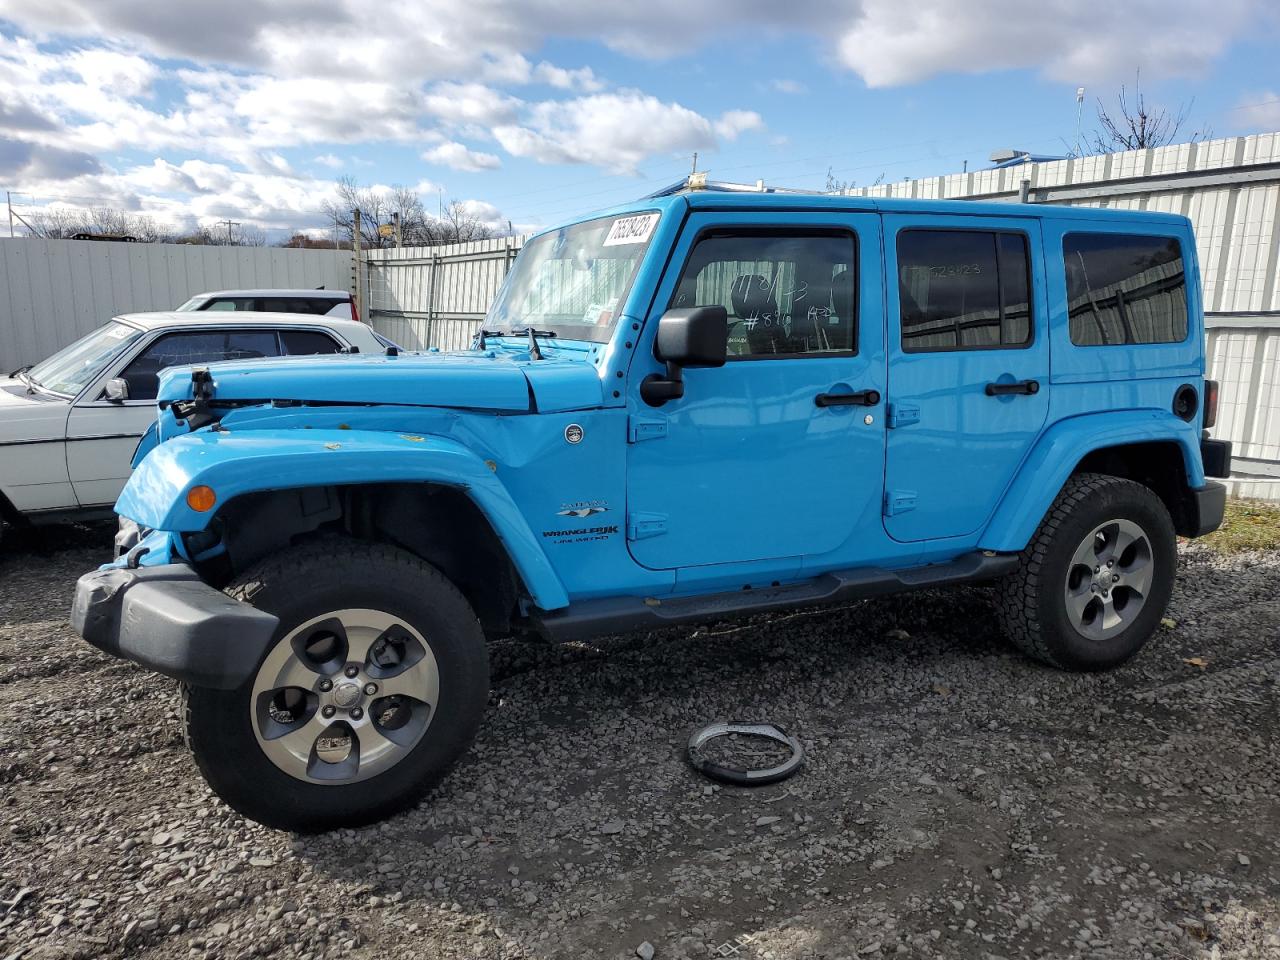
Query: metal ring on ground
[(740, 776)]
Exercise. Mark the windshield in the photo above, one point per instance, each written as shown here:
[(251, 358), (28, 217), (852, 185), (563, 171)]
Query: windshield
[(69, 371), (192, 304), (572, 282)]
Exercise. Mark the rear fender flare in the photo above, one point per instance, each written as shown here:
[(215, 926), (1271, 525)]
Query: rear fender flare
[(1060, 448), (249, 461)]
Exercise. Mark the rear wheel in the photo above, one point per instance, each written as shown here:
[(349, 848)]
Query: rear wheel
[(1096, 578), (374, 685)]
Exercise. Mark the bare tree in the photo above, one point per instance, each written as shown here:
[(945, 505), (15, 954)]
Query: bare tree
[(377, 215), (458, 223), (1137, 126), (304, 242), (61, 223), (241, 235)]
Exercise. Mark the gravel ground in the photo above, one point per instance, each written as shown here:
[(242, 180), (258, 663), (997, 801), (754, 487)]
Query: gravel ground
[(958, 800)]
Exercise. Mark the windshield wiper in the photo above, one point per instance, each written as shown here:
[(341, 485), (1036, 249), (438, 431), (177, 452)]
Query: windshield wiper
[(531, 332), (534, 352), (25, 378)]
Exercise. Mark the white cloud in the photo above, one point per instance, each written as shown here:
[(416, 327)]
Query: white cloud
[(617, 131), (470, 103), (583, 78), (735, 122), (460, 157), (328, 160), (789, 86), (892, 43)]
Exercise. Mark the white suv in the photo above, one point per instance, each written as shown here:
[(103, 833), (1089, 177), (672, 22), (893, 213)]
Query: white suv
[(69, 425)]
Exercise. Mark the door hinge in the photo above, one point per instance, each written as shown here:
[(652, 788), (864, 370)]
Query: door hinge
[(642, 526), (645, 428), (899, 501), (902, 414)]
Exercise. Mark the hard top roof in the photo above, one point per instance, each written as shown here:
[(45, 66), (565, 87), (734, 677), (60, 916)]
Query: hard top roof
[(273, 292), (796, 201)]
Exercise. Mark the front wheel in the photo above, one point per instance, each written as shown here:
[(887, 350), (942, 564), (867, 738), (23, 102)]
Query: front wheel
[(374, 685), (1096, 578)]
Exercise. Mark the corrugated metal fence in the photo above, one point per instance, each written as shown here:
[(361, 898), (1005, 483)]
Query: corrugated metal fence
[(58, 290), (424, 297)]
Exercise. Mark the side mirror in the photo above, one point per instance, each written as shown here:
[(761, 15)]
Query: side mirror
[(117, 390), (687, 337)]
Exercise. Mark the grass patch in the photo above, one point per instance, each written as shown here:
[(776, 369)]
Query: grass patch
[(1247, 525)]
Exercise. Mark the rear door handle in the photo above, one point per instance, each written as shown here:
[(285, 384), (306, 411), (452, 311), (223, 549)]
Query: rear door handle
[(1025, 387), (863, 398)]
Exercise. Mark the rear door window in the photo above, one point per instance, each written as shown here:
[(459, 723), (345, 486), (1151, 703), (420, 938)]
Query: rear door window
[(963, 290), (1124, 289)]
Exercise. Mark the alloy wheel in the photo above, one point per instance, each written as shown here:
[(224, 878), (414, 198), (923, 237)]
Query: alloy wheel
[(345, 696), (1109, 579)]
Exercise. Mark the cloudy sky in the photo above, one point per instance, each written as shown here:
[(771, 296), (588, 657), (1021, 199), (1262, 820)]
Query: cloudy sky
[(539, 110)]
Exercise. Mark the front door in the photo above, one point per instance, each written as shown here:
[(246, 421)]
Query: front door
[(968, 368), (780, 452)]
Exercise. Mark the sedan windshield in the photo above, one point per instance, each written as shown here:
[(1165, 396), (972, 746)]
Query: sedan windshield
[(573, 282), (70, 370)]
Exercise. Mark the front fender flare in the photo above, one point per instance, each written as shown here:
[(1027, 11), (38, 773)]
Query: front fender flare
[(1047, 468), (249, 461)]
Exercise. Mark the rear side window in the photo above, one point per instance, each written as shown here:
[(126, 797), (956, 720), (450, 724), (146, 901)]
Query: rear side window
[(231, 304), (1124, 289), (297, 342), (315, 305), (963, 290)]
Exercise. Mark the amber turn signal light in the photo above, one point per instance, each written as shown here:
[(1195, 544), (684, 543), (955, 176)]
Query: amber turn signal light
[(201, 498)]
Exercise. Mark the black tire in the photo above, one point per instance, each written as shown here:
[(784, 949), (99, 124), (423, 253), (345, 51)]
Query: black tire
[(307, 582), (1032, 602)]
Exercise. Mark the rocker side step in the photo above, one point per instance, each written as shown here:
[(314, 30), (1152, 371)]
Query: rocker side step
[(592, 618)]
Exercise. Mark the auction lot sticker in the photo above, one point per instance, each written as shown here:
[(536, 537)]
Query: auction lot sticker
[(631, 229)]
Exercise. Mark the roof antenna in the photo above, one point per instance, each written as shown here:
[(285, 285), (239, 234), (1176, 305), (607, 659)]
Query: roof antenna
[(534, 352)]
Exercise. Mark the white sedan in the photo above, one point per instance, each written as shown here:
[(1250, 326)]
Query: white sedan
[(69, 425)]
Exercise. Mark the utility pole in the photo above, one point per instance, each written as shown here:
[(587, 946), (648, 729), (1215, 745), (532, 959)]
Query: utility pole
[(395, 220), (359, 264), (229, 224), (695, 162), (1079, 107)]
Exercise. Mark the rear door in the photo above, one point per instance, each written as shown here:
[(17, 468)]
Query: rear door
[(968, 367), (766, 458), (102, 434)]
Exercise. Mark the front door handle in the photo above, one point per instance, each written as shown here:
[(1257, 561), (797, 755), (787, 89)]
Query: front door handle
[(1025, 387), (863, 398)]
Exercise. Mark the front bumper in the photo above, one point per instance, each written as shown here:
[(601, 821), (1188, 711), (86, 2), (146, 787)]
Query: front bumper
[(169, 620)]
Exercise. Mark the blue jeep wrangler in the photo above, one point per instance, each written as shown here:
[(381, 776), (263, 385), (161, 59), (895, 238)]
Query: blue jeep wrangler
[(699, 405)]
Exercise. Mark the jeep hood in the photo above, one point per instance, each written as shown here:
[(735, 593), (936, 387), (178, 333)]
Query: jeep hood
[(474, 380)]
